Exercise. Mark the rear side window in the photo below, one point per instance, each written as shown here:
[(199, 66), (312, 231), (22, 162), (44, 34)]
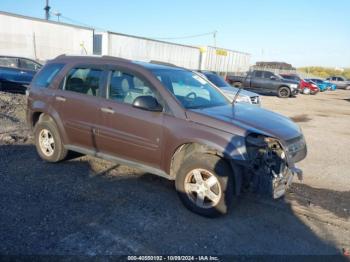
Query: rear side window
[(9, 62), (84, 81), (46, 75)]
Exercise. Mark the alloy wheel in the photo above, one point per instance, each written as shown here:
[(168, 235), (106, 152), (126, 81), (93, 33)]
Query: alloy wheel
[(203, 188), (46, 142)]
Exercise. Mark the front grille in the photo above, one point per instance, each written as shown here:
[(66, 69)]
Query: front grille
[(254, 99)]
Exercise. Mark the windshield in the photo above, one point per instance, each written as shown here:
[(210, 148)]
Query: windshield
[(191, 90), (217, 80)]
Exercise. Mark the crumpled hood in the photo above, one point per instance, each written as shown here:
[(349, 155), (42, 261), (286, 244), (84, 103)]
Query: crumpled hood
[(247, 117)]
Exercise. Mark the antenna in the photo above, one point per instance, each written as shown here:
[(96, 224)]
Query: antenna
[(58, 14), (47, 10)]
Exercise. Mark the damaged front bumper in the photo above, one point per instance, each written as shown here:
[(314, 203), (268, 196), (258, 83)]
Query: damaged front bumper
[(280, 184), (271, 165)]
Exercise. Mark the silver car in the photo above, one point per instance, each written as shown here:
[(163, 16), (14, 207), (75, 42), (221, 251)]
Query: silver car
[(244, 96), (340, 81)]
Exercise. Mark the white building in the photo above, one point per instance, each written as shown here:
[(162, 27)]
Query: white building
[(42, 40)]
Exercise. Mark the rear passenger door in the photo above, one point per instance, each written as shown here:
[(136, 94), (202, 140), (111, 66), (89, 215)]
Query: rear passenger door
[(77, 102), (127, 132)]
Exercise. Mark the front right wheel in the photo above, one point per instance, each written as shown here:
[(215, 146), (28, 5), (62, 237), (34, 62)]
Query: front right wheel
[(205, 186), (283, 92)]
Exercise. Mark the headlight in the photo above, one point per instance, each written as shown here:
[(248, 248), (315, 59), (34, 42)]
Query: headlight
[(293, 86), (244, 99)]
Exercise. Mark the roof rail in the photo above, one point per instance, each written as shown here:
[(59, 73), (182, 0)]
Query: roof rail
[(162, 63), (60, 56), (115, 57)]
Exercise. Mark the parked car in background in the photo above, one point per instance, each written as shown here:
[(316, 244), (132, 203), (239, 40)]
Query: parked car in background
[(294, 77), (230, 91), (320, 84), (328, 85), (16, 73), (308, 87), (167, 121), (305, 87), (339, 81), (266, 82)]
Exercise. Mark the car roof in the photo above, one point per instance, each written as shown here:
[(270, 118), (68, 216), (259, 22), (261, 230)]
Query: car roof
[(111, 59)]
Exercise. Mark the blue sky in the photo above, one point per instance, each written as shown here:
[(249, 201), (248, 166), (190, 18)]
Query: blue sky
[(301, 32)]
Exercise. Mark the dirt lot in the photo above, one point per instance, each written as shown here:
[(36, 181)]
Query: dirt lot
[(88, 206)]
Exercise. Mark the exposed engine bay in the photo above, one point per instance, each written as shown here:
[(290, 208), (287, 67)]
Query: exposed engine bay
[(269, 170)]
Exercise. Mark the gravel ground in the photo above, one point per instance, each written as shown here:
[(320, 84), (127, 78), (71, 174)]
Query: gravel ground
[(87, 206)]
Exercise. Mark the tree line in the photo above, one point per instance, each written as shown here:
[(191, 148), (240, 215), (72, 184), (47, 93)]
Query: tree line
[(325, 72)]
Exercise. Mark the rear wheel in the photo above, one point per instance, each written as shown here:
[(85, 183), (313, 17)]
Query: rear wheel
[(48, 142), (283, 92), (204, 184)]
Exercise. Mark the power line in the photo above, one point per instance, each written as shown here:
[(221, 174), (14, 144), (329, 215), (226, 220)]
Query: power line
[(213, 33)]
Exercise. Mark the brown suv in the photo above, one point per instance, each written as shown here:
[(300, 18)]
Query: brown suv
[(167, 121)]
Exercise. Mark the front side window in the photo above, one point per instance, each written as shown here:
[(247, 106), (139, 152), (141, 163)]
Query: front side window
[(9, 62), (29, 65), (191, 90), (84, 81), (126, 87), (45, 76), (217, 80), (268, 74), (258, 74)]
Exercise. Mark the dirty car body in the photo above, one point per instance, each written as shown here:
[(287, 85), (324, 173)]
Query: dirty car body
[(164, 128)]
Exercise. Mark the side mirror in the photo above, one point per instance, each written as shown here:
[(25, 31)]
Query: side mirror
[(273, 78), (148, 103)]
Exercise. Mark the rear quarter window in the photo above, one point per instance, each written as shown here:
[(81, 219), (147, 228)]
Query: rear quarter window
[(46, 75)]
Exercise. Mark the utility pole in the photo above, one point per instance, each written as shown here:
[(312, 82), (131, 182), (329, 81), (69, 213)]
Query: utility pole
[(47, 10), (214, 37)]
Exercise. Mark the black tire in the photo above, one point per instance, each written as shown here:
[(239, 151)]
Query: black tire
[(283, 92), (224, 178), (59, 152)]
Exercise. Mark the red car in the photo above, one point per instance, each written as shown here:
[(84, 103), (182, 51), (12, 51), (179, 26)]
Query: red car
[(308, 87), (305, 86)]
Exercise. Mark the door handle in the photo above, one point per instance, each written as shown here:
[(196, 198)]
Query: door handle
[(60, 98), (107, 110)]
